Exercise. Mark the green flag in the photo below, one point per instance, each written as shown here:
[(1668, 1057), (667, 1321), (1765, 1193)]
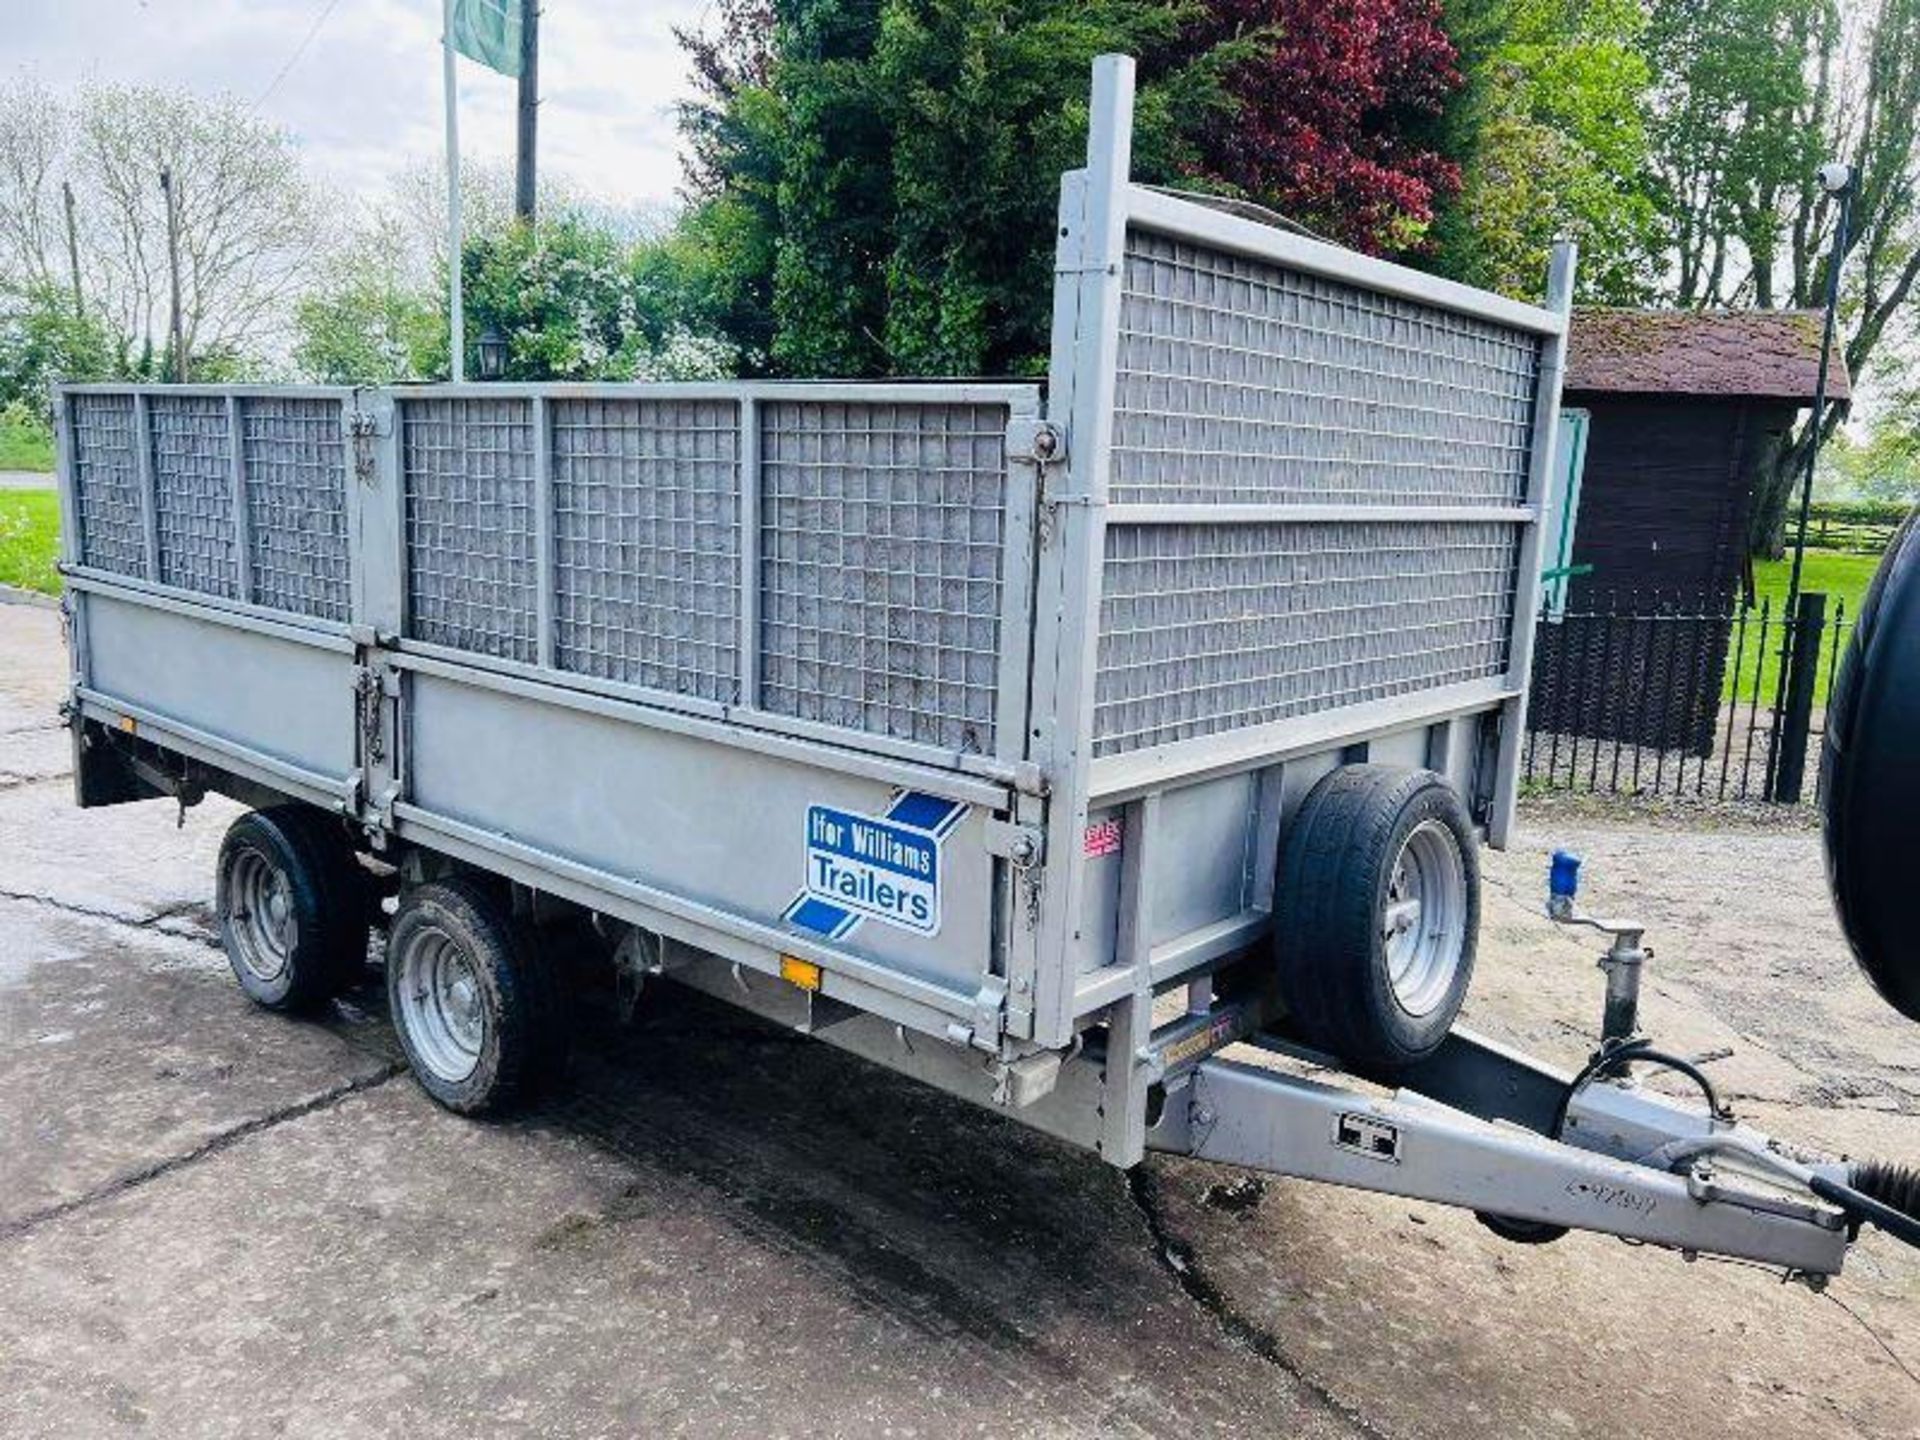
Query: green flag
[(488, 31)]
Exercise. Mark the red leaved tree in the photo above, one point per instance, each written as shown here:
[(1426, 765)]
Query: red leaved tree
[(1337, 99)]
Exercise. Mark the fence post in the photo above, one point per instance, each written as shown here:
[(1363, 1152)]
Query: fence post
[(1795, 720)]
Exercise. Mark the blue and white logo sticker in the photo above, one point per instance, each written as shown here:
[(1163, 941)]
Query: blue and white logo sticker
[(866, 867)]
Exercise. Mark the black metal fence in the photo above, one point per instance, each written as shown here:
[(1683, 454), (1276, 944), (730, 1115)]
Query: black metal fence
[(1642, 695)]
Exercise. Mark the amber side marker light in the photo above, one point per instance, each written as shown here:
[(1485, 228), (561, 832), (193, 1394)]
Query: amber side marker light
[(803, 973)]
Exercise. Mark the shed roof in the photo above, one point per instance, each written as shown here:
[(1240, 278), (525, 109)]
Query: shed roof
[(1773, 354)]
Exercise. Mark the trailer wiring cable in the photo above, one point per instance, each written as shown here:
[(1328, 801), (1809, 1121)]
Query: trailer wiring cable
[(1826, 1293), (1884, 1195), (1616, 1053)]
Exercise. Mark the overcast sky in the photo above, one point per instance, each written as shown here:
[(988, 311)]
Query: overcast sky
[(363, 95)]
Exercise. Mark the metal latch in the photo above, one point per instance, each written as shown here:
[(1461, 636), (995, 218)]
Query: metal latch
[(369, 693), (1024, 845), (1039, 441)]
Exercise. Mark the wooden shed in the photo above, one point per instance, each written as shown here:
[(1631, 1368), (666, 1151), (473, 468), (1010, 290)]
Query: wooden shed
[(1687, 408)]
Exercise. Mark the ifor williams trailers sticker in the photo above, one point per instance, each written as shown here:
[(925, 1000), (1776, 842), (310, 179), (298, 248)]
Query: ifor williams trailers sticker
[(867, 867)]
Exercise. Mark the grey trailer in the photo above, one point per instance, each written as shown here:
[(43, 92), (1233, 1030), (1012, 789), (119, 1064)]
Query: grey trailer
[(1084, 751)]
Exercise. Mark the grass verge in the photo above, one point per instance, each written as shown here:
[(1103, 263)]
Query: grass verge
[(29, 540), (1843, 578)]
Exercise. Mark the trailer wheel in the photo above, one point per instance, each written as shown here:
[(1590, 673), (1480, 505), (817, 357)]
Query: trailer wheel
[(1376, 913), (473, 997), (290, 909)]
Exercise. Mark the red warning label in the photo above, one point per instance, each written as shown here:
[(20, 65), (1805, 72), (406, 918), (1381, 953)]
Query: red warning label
[(1103, 838)]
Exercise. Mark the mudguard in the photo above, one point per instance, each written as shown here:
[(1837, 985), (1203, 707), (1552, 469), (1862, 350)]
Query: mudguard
[(1870, 769)]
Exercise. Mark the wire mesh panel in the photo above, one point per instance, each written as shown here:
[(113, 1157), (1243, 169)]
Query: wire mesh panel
[(646, 535), (468, 471), (1208, 628), (193, 493), (882, 530), (294, 454), (1241, 381), (106, 481)]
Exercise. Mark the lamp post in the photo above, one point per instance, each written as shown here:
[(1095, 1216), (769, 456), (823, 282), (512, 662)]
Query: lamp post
[(1786, 755), (493, 354), (1837, 180)]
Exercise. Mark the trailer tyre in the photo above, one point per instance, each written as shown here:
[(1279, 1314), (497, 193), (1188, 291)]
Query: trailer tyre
[(290, 907), (1376, 912), (473, 997)]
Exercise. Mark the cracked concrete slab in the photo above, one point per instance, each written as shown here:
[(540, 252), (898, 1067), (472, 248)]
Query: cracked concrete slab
[(130, 862), (121, 1047), (715, 1231)]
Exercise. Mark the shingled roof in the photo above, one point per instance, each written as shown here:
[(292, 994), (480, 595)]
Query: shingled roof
[(1763, 353)]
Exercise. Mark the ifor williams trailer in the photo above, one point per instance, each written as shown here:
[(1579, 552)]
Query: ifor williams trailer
[(1041, 745)]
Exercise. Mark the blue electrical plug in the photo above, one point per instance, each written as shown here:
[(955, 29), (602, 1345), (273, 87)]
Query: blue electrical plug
[(1563, 876)]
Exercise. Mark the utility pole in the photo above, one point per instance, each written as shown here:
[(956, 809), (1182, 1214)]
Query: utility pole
[(73, 252), (173, 272), (523, 175)]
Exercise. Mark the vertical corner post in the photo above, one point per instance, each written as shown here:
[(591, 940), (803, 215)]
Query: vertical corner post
[(1088, 281), (242, 521), (1019, 513), (541, 426), (67, 490), (376, 515), (1526, 580), (148, 486), (1124, 1082), (749, 551), (65, 479)]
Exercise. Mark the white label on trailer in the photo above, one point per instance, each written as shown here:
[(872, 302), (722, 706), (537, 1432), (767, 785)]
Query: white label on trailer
[(875, 867)]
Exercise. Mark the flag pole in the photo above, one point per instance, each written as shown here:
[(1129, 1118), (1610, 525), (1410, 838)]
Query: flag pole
[(457, 320)]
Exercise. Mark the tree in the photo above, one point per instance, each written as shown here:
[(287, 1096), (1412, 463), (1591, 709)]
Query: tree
[(373, 315), (43, 340), (1329, 106), (1754, 94), (249, 219), (575, 302), (1550, 136), (883, 173)]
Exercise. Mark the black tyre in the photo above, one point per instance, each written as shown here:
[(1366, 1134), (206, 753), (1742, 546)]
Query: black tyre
[(473, 997), (290, 906), (1376, 913), (1870, 781)]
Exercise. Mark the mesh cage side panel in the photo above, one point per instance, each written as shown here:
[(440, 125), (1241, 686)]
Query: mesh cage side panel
[(295, 457), (882, 535), (106, 481), (193, 493), (1242, 381), (468, 474), (647, 543), (1209, 628)]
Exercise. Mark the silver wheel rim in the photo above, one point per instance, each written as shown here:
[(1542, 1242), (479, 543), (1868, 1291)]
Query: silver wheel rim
[(1424, 923), (442, 1006), (260, 915)]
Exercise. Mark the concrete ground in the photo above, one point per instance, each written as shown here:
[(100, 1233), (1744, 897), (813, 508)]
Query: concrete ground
[(215, 1221), (25, 480)]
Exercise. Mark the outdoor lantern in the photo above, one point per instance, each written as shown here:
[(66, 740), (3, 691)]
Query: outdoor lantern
[(493, 354)]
